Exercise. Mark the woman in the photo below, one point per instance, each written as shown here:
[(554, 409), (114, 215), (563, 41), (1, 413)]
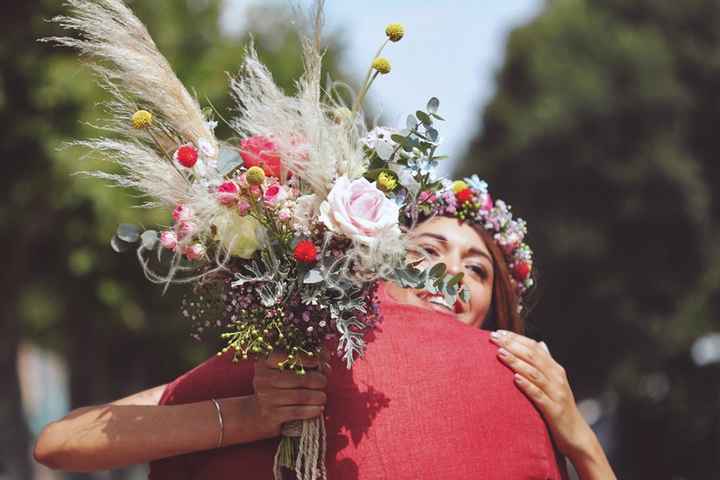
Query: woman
[(484, 244)]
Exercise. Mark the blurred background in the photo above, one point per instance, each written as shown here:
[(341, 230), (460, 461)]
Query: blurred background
[(596, 119)]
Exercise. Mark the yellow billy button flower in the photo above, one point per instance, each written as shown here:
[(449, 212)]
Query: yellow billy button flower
[(142, 119), (395, 32), (382, 65), (255, 176), (458, 186), (387, 181)]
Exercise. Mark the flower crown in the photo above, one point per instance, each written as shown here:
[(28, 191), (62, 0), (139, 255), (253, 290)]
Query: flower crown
[(468, 200)]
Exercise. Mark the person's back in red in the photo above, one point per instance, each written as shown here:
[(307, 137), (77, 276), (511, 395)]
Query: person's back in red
[(429, 400)]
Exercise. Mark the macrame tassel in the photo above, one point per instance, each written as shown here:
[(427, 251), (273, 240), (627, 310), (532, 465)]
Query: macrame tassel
[(302, 449)]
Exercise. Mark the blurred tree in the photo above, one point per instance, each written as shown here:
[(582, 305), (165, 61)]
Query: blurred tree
[(602, 135), (65, 288)]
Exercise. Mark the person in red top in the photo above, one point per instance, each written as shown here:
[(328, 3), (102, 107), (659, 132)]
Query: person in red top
[(432, 399), (428, 400)]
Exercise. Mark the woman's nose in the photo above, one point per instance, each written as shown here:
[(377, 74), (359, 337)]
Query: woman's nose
[(453, 265)]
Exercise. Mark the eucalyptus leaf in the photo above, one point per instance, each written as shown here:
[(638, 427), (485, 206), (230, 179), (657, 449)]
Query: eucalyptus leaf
[(433, 105), (464, 295), (128, 233), (399, 139), (149, 239), (437, 117), (228, 159), (313, 276), (411, 122), (455, 279), (432, 134), (118, 245), (423, 117), (438, 270)]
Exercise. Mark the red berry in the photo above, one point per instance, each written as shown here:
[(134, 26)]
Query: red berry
[(305, 252), (521, 270), (464, 196), (186, 156)]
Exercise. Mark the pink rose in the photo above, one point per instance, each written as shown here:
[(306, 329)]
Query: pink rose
[(194, 252), (185, 229), (182, 213), (360, 211), (168, 239), (261, 151), (284, 215), (274, 194), (227, 193)]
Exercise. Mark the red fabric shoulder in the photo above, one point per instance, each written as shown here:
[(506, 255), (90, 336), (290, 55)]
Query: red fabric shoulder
[(429, 400)]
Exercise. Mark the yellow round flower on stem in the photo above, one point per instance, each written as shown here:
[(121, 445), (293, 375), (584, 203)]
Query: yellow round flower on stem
[(142, 119), (458, 186), (395, 32), (387, 181), (382, 65), (255, 175)]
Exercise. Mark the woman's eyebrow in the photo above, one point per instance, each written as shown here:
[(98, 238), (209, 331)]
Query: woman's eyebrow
[(437, 237), (474, 252)]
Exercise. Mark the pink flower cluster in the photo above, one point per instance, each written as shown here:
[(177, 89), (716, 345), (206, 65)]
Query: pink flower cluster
[(180, 238)]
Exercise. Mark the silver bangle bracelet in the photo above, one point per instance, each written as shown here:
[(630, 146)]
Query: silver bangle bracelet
[(220, 422)]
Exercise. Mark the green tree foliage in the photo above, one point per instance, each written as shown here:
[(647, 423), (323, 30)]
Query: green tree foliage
[(63, 286), (602, 135)]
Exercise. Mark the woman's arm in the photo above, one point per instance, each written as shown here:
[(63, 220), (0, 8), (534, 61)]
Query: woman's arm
[(136, 430), (545, 382)]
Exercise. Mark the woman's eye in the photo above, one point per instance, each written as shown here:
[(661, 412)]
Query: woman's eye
[(479, 271), (429, 250)]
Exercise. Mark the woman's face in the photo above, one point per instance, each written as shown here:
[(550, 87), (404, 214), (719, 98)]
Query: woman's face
[(461, 249)]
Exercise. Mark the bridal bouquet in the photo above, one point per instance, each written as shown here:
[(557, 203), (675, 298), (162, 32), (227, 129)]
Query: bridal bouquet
[(285, 233)]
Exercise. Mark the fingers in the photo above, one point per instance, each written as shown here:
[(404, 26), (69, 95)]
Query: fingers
[(534, 393), (533, 363), (297, 397), (276, 358), (285, 379), (287, 414), (529, 372), (524, 348)]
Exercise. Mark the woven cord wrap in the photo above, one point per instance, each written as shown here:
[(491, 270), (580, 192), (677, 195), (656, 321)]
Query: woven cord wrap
[(311, 441)]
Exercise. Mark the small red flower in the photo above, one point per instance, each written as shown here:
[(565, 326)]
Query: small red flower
[(186, 156), (521, 270), (464, 196), (305, 252)]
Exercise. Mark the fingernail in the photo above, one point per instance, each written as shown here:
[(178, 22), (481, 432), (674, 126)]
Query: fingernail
[(495, 335), (518, 379), (503, 353), (544, 345)]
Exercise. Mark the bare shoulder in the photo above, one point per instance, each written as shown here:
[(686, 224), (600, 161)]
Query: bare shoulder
[(151, 396)]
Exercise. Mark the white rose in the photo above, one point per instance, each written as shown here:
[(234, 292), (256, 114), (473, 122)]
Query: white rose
[(360, 211)]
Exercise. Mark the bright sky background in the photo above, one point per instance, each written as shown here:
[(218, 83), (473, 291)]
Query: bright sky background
[(451, 50)]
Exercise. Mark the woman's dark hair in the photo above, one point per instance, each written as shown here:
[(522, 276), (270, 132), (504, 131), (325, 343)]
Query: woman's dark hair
[(503, 313)]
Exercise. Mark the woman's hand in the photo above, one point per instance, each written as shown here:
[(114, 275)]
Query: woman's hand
[(545, 383), (283, 395)]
